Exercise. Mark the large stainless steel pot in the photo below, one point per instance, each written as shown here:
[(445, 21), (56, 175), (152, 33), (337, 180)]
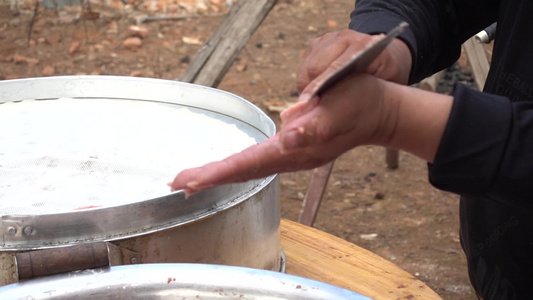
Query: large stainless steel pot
[(84, 162), (176, 281)]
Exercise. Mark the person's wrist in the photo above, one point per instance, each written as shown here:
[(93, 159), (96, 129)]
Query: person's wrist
[(386, 112), (401, 58), (420, 119)]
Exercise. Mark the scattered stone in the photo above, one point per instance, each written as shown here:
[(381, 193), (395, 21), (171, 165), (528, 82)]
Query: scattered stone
[(294, 93), (241, 67), (452, 75), (19, 59), (281, 35), (132, 43), (15, 22), (48, 71), (277, 106), (91, 15), (138, 31), (369, 236), (136, 73), (370, 177), (379, 196), (80, 57), (259, 45), (332, 24), (191, 40), (99, 47), (32, 62), (112, 28), (32, 43), (68, 18), (74, 47), (53, 39), (201, 7), (185, 59)]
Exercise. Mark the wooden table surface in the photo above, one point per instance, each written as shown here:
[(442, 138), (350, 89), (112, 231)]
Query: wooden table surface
[(321, 256)]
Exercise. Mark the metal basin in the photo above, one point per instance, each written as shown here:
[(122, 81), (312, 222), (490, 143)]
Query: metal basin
[(86, 159), (176, 281)]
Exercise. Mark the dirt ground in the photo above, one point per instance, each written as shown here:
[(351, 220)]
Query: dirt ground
[(394, 213)]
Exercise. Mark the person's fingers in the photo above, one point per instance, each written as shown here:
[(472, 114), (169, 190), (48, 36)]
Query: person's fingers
[(255, 162), (320, 53), (310, 129), (263, 159), (347, 116), (319, 79), (298, 109), (350, 108), (328, 53), (395, 63), (320, 63), (248, 164)]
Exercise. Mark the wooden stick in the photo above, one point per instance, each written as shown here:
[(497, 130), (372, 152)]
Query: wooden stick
[(145, 19), (315, 192), (35, 11), (392, 158), (212, 61)]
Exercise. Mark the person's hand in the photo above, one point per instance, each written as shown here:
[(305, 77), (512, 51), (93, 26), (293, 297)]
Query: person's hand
[(360, 109), (332, 50), (332, 127), (352, 113)]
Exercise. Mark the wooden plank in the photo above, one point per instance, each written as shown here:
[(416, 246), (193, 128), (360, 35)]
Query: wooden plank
[(392, 158), (321, 256), (201, 57), (477, 58), (315, 192), (212, 61)]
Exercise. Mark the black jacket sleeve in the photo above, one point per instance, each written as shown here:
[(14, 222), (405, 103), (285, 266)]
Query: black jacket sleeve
[(486, 149), (437, 28)]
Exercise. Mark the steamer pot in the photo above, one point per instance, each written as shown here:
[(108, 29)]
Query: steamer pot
[(84, 164), (176, 281)]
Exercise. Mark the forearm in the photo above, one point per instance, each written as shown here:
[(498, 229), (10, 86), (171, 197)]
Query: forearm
[(417, 120)]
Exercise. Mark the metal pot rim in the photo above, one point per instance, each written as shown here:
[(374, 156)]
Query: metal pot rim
[(29, 232)]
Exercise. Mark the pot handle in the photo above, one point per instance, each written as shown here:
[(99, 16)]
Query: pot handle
[(73, 258)]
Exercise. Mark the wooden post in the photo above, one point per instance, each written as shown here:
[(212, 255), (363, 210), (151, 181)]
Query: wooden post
[(392, 158), (315, 192), (213, 60), (477, 58)]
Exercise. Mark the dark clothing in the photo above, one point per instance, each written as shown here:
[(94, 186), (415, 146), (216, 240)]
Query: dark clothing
[(486, 154)]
